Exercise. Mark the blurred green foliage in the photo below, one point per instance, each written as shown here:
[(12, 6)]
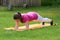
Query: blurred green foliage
[(50, 2)]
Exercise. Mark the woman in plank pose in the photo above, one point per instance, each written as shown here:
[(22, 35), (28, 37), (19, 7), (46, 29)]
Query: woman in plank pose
[(27, 17)]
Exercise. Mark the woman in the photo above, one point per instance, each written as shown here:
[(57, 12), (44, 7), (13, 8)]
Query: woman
[(26, 18)]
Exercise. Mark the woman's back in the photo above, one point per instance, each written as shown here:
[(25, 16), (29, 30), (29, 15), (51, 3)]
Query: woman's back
[(29, 16)]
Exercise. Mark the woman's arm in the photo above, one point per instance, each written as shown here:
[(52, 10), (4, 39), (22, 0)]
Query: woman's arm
[(16, 24), (27, 25)]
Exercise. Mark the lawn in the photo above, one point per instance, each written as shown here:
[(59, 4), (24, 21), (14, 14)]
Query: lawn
[(49, 33)]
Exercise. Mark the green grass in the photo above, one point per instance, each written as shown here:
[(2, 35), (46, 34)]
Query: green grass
[(49, 33)]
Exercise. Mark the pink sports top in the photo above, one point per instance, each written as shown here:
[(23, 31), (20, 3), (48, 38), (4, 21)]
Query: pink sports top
[(29, 16)]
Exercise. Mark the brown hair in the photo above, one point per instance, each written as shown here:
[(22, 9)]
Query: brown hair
[(18, 16)]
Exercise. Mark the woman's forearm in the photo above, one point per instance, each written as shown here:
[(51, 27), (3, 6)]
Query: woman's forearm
[(27, 25), (16, 25)]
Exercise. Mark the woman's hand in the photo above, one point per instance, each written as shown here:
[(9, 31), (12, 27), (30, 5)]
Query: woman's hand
[(16, 28)]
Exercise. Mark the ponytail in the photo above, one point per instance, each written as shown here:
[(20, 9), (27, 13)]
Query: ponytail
[(21, 19)]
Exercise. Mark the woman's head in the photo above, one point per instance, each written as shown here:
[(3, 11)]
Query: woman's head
[(17, 16)]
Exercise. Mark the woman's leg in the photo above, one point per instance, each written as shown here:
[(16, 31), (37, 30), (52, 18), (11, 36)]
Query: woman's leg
[(40, 19), (48, 20), (43, 20)]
